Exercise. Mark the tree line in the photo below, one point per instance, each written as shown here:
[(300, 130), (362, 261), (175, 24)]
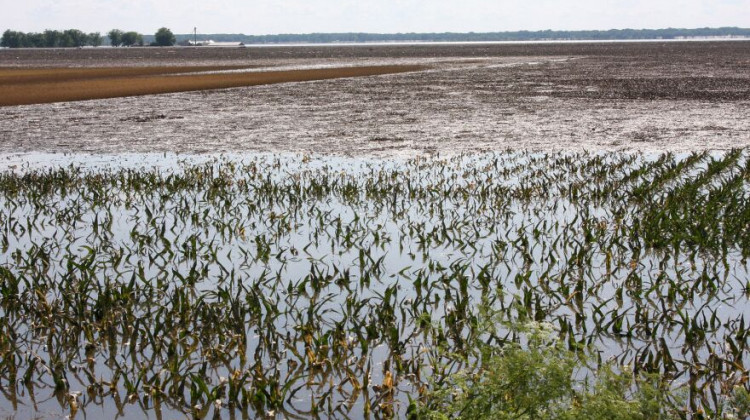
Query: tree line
[(118, 38), (76, 38), (50, 39), (165, 37), (594, 35)]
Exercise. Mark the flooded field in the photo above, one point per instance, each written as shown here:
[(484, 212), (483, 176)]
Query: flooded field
[(297, 286), (340, 248)]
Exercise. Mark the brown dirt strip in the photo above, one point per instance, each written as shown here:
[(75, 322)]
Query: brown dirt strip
[(11, 76), (57, 90)]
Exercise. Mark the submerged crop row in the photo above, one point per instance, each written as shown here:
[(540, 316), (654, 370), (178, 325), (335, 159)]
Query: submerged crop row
[(296, 286)]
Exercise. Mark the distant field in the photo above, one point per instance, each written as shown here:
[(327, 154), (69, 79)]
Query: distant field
[(36, 86), (656, 96)]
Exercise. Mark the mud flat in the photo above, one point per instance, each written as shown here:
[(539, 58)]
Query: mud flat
[(611, 96)]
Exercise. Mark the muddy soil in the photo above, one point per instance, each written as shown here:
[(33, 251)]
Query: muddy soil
[(655, 96), (30, 87)]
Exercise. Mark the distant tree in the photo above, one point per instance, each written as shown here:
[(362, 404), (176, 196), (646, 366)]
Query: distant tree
[(115, 37), (131, 38), (65, 40), (37, 40), (94, 39), (75, 38), (13, 39), (52, 38), (164, 37)]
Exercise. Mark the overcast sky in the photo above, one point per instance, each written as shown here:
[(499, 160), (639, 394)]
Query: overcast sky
[(258, 17)]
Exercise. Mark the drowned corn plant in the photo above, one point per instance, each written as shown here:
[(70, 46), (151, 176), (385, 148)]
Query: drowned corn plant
[(302, 286)]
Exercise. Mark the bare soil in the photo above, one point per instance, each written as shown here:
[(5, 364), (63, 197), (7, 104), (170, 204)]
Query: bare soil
[(37, 86), (23, 75), (653, 96)]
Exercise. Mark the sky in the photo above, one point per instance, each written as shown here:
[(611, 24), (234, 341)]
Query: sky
[(259, 17)]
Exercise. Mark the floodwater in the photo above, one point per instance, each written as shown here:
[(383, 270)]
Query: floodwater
[(429, 237)]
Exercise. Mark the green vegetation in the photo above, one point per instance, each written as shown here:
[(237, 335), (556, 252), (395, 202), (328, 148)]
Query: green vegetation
[(118, 38), (300, 287), (613, 34), (537, 381), (164, 38), (50, 39), (115, 37), (68, 38)]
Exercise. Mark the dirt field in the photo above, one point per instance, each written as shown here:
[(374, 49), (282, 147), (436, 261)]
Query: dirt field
[(38, 86), (24, 75), (644, 96)]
